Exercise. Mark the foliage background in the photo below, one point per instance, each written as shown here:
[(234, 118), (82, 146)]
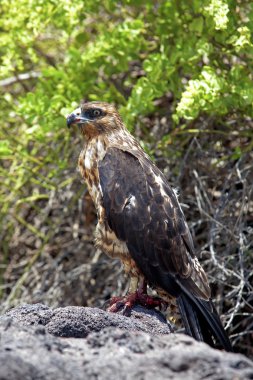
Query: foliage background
[(181, 76)]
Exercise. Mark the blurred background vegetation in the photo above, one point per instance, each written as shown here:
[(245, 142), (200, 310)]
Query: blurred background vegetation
[(180, 73)]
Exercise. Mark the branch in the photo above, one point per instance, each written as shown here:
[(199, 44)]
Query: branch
[(19, 78)]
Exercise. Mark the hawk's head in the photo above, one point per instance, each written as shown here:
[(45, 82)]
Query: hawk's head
[(95, 118)]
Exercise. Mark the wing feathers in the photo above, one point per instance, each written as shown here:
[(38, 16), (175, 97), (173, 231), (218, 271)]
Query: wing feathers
[(142, 210)]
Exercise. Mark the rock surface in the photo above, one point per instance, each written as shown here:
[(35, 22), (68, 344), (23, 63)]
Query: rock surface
[(75, 343), (78, 322)]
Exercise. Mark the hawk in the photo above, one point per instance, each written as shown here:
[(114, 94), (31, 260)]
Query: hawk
[(140, 221)]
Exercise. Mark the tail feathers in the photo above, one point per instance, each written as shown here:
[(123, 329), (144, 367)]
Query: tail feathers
[(202, 322), (190, 319)]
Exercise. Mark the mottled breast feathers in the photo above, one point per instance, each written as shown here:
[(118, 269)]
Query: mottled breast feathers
[(143, 211)]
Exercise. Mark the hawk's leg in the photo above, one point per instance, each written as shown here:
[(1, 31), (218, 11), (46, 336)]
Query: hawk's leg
[(137, 294)]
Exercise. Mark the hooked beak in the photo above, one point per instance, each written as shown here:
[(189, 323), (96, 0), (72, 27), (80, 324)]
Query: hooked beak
[(76, 118)]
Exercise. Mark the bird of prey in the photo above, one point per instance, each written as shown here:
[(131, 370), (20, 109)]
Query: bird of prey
[(140, 221)]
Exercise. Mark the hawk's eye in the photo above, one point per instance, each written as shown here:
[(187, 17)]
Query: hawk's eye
[(96, 113), (93, 113)]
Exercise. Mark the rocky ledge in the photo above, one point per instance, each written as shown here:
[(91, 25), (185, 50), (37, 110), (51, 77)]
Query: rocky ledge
[(74, 343)]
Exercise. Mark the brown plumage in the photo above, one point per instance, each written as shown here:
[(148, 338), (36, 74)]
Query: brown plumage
[(140, 220)]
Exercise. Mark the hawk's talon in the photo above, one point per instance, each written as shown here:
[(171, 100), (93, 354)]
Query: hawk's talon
[(136, 298)]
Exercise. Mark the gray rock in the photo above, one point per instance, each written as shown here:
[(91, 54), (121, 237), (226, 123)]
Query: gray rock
[(112, 347), (78, 322)]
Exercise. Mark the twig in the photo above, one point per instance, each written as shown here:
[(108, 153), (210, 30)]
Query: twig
[(19, 78)]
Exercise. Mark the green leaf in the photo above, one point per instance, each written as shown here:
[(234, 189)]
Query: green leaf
[(5, 149)]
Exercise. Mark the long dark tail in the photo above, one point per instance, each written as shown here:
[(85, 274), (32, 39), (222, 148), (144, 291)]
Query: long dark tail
[(202, 322)]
